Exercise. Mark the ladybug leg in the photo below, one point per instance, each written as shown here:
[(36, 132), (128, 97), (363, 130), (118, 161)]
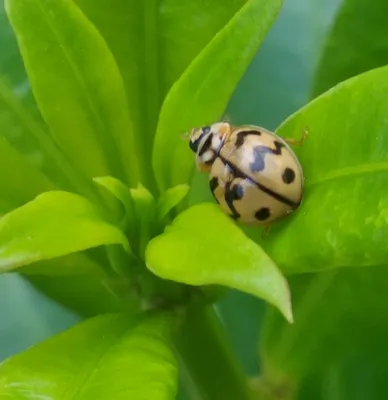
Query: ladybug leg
[(300, 141)]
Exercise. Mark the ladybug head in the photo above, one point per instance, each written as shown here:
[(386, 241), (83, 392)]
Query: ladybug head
[(209, 137), (198, 136)]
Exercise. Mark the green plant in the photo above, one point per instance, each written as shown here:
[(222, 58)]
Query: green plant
[(103, 221)]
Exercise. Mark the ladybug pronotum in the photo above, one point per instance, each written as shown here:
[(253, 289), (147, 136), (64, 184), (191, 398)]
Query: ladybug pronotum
[(254, 175)]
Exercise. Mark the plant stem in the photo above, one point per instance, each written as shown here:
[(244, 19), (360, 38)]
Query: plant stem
[(211, 367)]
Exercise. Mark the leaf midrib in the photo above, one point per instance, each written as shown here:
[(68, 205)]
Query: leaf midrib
[(361, 169)]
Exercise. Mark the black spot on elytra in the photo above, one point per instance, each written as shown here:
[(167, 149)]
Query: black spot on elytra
[(237, 173), (259, 153), (242, 135), (232, 193), (262, 214), (288, 175)]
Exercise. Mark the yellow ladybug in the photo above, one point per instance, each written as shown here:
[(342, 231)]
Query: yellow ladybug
[(254, 175)]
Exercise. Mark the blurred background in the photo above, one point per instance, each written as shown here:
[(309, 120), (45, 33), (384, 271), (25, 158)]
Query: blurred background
[(277, 83)]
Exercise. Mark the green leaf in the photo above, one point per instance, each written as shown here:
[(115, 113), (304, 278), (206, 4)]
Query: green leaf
[(354, 44), (68, 265), (68, 62), (205, 87), (337, 313), (20, 127), (153, 42), (204, 246), (19, 181), (122, 193), (170, 199), (145, 212), (86, 295), (52, 225), (343, 218), (104, 357)]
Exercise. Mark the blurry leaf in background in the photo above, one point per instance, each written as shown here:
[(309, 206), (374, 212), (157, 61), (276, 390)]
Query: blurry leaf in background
[(11, 64), (355, 44), (104, 357), (338, 314)]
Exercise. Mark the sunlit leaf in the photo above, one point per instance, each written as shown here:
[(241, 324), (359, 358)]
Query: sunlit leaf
[(204, 246), (52, 225), (104, 357), (68, 63), (202, 92)]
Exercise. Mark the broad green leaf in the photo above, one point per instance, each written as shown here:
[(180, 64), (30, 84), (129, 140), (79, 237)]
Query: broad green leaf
[(202, 92), (153, 42), (68, 63), (204, 246), (355, 43), (170, 199), (337, 313), (343, 218), (145, 212), (52, 225), (19, 181), (104, 357)]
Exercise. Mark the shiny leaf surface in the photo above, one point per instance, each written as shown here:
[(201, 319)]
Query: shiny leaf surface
[(204, 246), (52, 225), (104, 357)]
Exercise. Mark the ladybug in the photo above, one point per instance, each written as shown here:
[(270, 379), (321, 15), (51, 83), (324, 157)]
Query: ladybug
[(254, 175)]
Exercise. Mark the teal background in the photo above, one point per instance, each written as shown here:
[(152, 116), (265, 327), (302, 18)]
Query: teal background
[(276, 84)]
